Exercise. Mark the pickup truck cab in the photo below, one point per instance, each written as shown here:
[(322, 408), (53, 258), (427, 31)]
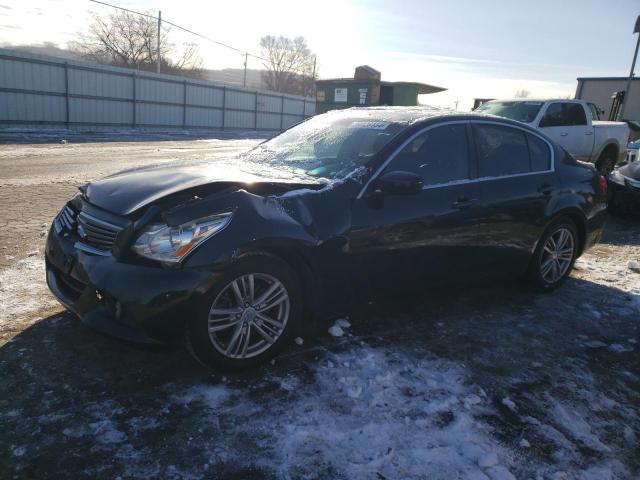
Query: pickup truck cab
[(574, 124)]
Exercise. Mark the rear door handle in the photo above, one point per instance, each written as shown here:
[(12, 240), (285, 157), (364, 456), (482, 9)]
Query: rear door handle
[(563, 134), (463, 203), (588, 133), (545, 188)]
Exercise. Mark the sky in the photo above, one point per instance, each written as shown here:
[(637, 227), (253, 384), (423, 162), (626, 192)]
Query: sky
[(485, 49)]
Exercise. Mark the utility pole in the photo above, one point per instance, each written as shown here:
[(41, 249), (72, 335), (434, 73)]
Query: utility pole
[(313, 78), (625, 100), (244, 80), (456, 102), (158, 43)]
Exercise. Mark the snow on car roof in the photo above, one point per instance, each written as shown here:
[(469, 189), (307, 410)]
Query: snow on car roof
[(393, 114)]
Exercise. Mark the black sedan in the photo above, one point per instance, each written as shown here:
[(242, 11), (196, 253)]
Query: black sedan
[(237, 256), (624, 191)]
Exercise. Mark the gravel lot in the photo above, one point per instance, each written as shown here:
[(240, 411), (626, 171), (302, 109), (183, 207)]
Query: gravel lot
[(492, 382)]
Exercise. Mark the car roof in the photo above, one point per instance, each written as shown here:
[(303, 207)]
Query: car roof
[(536, 100), (417, 115)]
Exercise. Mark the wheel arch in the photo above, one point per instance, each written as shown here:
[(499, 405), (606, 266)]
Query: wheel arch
[(611, 146), (578, 218)]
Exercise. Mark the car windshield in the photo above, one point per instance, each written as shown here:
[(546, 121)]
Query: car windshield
[(522, 111), (329, 146)]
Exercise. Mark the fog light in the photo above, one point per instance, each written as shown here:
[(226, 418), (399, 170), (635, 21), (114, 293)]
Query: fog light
[(99, 295)]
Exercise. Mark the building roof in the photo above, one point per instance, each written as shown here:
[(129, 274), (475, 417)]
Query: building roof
[(607, 78), (423, 88)]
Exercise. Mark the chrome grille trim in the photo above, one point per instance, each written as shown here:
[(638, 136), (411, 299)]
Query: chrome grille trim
[(65, 219), (97, 235), (89, 249)]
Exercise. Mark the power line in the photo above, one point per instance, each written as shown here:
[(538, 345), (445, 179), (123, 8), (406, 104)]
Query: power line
[(122, 8), (244, 52), (185, 29)]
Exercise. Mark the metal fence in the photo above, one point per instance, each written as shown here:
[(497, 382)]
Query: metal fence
[(41, 91)]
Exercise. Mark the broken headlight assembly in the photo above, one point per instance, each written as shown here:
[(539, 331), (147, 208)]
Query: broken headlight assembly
[(163, 243)]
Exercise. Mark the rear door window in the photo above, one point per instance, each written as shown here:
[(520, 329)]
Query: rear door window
[(501, 150), (540, 153), (575, 114), (439, 155), (564, 114)]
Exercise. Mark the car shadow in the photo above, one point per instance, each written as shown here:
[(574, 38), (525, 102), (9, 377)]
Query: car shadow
[(622, 230), (65, 387)]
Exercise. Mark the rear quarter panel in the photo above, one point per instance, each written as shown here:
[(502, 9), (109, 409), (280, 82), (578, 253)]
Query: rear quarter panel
[(580, 197)]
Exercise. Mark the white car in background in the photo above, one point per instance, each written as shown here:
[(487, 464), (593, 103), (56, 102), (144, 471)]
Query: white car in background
[(574, 124)]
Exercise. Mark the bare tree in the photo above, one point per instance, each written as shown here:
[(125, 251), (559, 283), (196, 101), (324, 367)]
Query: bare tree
[(124, 39), (290, 65), (524, 93)]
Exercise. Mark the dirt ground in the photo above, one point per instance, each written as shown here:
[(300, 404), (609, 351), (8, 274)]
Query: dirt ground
[(490, 382)]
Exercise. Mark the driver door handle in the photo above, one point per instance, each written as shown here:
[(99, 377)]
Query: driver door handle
[(563, 134)]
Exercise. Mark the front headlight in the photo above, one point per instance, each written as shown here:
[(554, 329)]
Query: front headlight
[(616, 177), (170, 244)]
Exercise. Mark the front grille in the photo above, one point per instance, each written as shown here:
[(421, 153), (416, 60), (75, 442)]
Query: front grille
[(66, 219), (96, 232)]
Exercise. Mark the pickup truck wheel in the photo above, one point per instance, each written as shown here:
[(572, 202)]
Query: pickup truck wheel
[(248, 316), (605, 163)]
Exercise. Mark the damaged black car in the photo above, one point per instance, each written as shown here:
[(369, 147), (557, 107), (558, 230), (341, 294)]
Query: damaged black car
[(624, 191), (238, 256)]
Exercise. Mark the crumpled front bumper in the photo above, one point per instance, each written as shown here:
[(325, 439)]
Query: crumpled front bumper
[(136, 303)]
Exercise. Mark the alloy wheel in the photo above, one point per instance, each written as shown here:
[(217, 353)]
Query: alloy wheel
[(249, 315), (557, 255)]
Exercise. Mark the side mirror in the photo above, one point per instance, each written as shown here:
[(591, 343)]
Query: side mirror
[(398, 183)]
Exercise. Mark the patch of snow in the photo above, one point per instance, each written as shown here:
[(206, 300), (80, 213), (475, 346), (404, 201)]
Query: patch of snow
[(209, 395), (499, 473), (299, 341), (342, 323), (634, 266), (630, 436), (488, 460), (524, 443), (510, 404), (106, 432), (618, 348), (577, 426), (376, 418), (336, 331), (289, 383), (23, 290), (18, 451), (595, 344)]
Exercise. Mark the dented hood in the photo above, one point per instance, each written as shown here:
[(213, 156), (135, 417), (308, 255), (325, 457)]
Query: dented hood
[(127, 191)]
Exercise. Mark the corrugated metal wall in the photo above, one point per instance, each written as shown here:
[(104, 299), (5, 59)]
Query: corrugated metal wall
[(41, 91)]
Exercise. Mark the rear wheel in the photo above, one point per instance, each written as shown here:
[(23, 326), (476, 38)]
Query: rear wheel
[(606, 162), (555, 255), (248, 316)]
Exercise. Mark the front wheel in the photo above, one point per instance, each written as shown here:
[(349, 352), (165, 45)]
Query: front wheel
[(248, 316), (555, 255)]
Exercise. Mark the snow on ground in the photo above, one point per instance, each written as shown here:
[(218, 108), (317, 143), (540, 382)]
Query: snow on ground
[(23, 291)]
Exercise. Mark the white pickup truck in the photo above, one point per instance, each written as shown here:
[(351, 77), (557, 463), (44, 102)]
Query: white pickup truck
[(574, 124)]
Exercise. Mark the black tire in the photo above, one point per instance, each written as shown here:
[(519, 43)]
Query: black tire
[(606, 163), (535, 273), (198, 340)]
